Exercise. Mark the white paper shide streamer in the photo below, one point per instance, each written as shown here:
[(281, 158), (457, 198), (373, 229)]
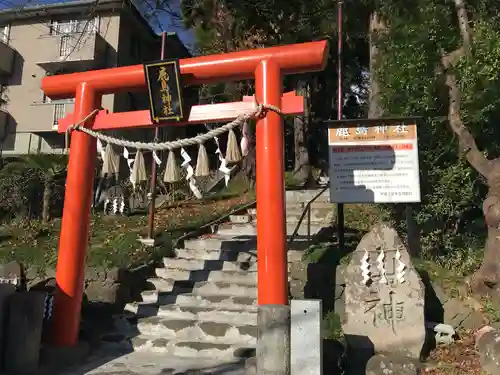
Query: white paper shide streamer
[(400, 268), (156, 158), (381, 268), (117, 205), (190, 173), (223, 163), (130, 162), (245, 132), (100, 149), (365, 268)]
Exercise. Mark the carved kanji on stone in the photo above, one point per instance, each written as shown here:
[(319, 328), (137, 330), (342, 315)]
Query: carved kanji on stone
[(384, 296)]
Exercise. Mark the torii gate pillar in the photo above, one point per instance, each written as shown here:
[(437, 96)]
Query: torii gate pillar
[(267, 66)]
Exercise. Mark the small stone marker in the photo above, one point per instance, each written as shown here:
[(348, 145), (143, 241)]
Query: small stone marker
[(24, 331), (306, 340), (488, 347), (11, 273), (6, 291), (384, 298)]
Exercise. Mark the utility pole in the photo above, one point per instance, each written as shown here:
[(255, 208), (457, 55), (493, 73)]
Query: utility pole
[(340, 206), (151, 216)]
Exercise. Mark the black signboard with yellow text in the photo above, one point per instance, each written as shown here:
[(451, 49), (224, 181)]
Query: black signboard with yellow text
[(165, 90)]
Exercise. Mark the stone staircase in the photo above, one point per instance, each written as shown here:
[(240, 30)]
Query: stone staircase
[(202, 303)]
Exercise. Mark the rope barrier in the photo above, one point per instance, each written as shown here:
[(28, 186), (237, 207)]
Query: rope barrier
[(259, 112)]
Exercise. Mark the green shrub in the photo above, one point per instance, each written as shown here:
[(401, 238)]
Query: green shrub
[(20, 191)]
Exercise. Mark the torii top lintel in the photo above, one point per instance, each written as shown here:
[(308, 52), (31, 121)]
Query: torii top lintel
[(292, 59)]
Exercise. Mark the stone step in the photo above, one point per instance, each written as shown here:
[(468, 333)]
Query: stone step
[(195, 264), (251, 229), (306, 195), (293, 217), (189, 301), (229, 314), (232, 277), (315, 206), (212, 265), (240, 219), (157, 305), (212, 301), (203, 288), (316, 214), (197, 349), (229, 229), (293, 220), (192, 330), (219, 242), (144, 363), (230, 255)]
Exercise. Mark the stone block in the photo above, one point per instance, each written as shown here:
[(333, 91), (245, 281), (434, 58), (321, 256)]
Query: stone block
[(298, 271), (306, 339), (488, 346), (462, 316), (11, 273), (391, 365), (384, 298), (273, 343), (297, 288), (6, 291), (95, 274), (105, 292), (119, 275), (240, 219), (24, 331)]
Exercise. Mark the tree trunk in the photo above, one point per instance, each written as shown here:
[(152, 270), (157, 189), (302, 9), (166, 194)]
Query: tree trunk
[(376, 27), (47, 192), (248, 166), (486, 280), (302, 169)]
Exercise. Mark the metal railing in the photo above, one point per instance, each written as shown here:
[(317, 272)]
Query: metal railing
[(307, 211), (224, 217), (220, 219)]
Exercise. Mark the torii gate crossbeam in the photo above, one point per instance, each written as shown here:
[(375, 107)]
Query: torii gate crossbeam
[(267, 66)]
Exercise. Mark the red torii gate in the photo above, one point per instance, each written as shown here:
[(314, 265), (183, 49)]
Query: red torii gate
[(267, 66)]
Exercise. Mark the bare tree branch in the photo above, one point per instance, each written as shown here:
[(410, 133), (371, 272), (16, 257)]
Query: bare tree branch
[(448, 60), (467, 143), (463, 23)]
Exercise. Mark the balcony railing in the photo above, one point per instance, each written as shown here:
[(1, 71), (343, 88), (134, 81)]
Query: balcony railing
[(72, 52), (3, 121), (43, 117), (59, 113)]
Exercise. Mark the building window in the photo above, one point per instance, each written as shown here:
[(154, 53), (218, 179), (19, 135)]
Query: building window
[(59, 113), (65, 46), (4, 33), (74, 26)]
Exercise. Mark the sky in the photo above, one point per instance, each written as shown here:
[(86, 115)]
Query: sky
[(161, 22)]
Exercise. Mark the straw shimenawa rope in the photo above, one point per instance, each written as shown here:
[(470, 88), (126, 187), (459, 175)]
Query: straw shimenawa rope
[(259, 112)]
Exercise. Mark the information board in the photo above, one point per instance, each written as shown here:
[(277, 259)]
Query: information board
[(165, 90), (374, 161)]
